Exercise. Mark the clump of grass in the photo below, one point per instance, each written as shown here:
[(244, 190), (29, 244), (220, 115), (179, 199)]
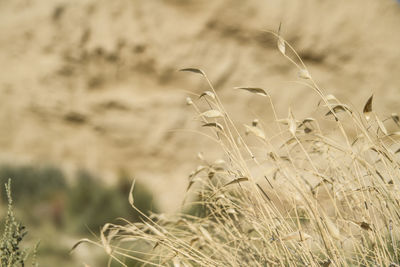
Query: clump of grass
[(293, 192)]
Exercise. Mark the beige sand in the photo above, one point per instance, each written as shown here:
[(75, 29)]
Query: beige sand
[(94, 83)]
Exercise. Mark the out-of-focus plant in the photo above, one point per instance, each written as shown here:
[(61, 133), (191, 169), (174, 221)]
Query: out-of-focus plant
[(32, 183), (91, 204)]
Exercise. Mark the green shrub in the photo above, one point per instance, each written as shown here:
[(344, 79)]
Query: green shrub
[(45, 194), (32, 183), (144, 199), (11, 253), (91, 204)]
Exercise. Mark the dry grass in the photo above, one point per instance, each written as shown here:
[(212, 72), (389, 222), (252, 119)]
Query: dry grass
[(315, 191)]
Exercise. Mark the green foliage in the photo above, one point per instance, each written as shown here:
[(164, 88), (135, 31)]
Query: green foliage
[(92, 204), (50, 205), (11, 253), (144, 199), (32, 183), (86, 204)]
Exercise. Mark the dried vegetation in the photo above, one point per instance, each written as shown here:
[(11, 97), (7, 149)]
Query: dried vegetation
[(293, 192)]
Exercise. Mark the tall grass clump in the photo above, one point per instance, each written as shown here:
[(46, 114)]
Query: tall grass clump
[(320, 191)]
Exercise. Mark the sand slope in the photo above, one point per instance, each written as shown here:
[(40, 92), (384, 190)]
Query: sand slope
[(94, 83)]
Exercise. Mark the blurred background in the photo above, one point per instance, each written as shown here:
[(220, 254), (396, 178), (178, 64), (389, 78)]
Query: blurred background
[(90, 95)]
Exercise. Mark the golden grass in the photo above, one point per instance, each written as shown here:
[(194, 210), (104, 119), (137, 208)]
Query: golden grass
[(315, 191)]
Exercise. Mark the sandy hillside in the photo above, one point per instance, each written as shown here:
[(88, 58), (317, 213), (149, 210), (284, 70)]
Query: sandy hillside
[(94, 84)]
